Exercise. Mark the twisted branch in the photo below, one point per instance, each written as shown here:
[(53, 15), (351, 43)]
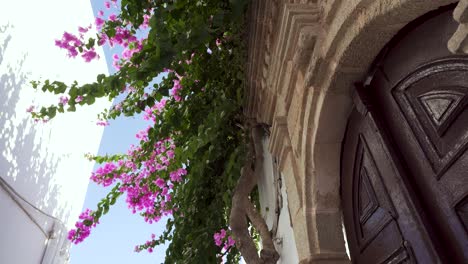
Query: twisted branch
[(242, 208)]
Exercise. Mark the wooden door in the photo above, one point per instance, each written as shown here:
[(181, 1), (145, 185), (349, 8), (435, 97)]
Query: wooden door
[(405, 153)]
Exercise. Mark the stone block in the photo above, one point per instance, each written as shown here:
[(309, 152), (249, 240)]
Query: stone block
[(460, 13)]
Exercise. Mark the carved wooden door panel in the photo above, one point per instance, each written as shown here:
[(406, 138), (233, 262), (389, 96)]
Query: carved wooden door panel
[(381, 222), (405, 153), (423, 99)]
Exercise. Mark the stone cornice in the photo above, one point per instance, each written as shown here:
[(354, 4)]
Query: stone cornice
[(296, 34), (280, 33), (262, 16)]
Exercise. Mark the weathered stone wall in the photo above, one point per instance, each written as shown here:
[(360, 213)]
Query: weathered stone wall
[(304, 57)]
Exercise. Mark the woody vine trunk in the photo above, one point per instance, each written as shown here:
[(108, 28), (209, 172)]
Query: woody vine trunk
[(243, 210)]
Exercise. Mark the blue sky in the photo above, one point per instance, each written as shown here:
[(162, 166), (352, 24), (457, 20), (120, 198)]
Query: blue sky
[(114, 239)]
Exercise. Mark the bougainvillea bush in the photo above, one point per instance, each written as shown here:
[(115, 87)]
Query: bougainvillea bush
[(190, 158)]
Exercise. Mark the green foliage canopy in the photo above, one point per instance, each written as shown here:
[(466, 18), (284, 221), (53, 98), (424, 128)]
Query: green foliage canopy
[(206, 124)]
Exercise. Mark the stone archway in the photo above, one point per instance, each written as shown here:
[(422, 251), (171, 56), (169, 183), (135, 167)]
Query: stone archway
[(347, 60), (304, 57)]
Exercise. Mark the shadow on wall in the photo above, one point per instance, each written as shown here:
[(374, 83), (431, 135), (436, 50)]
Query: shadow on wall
[(22, 163)]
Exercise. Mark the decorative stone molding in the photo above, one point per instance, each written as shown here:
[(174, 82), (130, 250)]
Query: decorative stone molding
[(280, 147), (459, 41), (280, 143), (295, 38), (297, 97), (299, 27), (305, 47), (263, 15)]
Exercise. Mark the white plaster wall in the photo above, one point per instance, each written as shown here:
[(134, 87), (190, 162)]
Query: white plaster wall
[(287, 246), (266, 187), (17, 227), (273, 197), (43, 163)]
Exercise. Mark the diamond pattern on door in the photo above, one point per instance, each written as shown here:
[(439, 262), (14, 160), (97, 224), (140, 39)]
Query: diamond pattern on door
[(373, 208), (368, 203)]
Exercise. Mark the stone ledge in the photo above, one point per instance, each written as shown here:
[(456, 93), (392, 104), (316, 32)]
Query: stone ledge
[(326, 258)]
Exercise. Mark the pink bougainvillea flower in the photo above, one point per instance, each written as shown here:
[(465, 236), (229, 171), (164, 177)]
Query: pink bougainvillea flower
[(101, 13), (116, 65), (102, 39), (83, 227), (60, 44), (176, 176), (220, 235), (229, 243), (175, 89), (102, 123), (63, 100), (90, 55), (78, 99), (145, 23), (68, 37), (30, 109), (160, 183), (170, 154), (118, 106), (152, 203), (69, 42), (82, 29), (72, 53), (99, 22), (107, 4)]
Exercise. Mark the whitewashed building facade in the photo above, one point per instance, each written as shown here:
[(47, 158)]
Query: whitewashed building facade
[(43, 172)]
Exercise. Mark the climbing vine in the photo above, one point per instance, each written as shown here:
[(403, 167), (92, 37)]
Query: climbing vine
[(198, 157)]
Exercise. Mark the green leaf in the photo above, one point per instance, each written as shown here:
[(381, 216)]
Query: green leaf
[(52, 111), (71, 108), (100, 78), (90, 100), (90, 44), (105, 207)]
